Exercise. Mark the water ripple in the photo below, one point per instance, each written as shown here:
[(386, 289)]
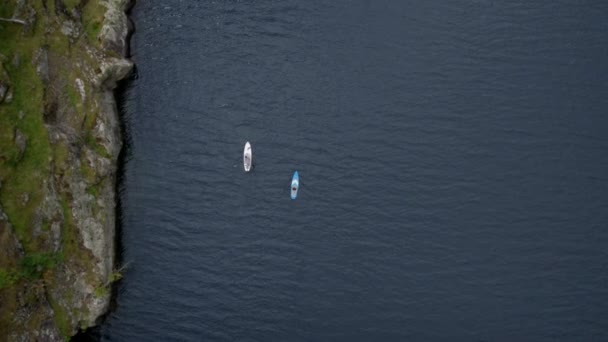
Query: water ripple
[(453, 172)]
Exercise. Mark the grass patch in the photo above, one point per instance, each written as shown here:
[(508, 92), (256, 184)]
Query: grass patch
[(92, 29), (35, 264), (115, 276), (92, 17), (101, 291), (58, 44), (8, 278), (90, 121), (26, 175), (46, 225), (101, 150), (60, 156), (69, 235), (71, 4), (62, 319), (72, 244), (7, 9), (93, 190), (87, 171), (31, 267), (73, 96), (94, 145)]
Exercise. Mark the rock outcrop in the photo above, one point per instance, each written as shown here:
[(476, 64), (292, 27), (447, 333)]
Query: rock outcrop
[(59, 144)]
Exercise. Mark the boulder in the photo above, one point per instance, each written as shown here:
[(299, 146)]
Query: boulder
[(115, 29), (112, 71)]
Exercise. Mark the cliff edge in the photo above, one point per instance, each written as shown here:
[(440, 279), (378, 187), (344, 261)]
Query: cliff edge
[(59, 144)]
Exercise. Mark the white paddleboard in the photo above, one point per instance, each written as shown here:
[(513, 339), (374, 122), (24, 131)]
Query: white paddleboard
[(247, 157)]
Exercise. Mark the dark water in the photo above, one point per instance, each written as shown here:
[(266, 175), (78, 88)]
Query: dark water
[(453, 158)]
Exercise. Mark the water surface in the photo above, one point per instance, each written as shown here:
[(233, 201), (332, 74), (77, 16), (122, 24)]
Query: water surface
[(453, 160)]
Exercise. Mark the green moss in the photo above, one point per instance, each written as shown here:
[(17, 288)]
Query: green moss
[(90, 121), (101, 150), (92, 17), (92, 30), (115, 276), (71, 4), (61, 318), (69, 236), (24, 176), (101, 291), (93, 190), (46, 226), (77, 255), (94, 145), (60, 155), (7, 9), (72, 245), (58, 43), (8, 278), (33, 265), (73, 97), (87, 171), (8, 297)]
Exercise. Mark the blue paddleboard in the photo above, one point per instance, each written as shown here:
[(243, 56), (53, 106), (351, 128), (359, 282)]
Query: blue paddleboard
[(295, 185)]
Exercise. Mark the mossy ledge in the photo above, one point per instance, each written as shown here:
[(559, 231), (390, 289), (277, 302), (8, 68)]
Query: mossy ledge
[(59, 142)]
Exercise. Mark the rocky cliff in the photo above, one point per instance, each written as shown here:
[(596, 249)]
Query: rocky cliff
[(59, 143)]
